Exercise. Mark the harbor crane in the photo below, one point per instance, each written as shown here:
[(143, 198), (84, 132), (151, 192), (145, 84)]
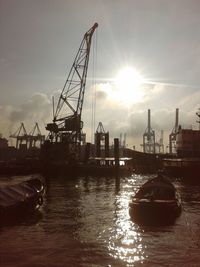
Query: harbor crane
[(21, 136), (28, 140), (101, 137), (149, 137), (173, 134), (65, 130), (35, 137)]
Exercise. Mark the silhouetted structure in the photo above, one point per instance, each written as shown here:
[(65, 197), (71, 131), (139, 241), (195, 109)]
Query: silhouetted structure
[(101, 141), (149, 137), (173, 134), (116, 152), (35, 138), (21, 137), (3, 142), (27, 141)]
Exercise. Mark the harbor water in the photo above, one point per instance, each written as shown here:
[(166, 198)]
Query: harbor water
[(85, 222)]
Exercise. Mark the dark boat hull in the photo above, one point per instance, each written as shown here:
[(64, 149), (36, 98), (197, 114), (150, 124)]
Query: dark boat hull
[(155, 212), (21, 199)]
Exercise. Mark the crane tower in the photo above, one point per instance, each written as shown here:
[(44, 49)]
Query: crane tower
[(101, 136), (173, 134), (149, 137)]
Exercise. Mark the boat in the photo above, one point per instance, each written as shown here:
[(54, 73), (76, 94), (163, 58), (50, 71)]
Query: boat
[(156, 202), (19, 199)]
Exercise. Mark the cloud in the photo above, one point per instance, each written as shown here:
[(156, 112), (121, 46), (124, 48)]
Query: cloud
[(190, 100), (36, 109), (132, 119)]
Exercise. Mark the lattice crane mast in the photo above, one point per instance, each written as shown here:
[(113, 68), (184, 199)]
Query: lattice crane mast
[(67, 124)]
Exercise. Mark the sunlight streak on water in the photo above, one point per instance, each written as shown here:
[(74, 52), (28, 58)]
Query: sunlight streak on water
[(125, 242)]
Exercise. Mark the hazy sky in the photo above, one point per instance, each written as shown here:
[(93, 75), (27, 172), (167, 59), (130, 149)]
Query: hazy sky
[(159, 38)]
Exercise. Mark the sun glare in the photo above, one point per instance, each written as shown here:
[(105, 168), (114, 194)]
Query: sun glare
[(128, 86)]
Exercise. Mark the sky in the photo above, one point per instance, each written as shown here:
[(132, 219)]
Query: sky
[(160, 39)]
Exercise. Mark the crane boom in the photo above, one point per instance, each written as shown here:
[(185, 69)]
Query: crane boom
[(73, 90)]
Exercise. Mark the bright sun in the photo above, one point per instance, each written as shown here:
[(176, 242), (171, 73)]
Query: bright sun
[(128, 86)]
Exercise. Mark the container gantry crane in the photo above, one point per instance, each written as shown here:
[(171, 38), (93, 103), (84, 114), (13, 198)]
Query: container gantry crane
[(149, 137), (35, 137), (173, 134), (67, 125), (21, 136)]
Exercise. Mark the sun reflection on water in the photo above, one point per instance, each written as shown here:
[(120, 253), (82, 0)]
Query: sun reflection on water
[(125, 242)]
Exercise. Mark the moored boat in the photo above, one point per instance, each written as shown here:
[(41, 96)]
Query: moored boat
[(157, 202), (18, 200)]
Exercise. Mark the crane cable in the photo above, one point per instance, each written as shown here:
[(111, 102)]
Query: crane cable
[(94, 89)]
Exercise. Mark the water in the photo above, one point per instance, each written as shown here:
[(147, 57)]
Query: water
[(85, 222)]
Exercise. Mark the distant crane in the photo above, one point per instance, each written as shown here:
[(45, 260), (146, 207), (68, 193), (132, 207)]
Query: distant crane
[(161, 144), (21, 136), (28, 140), (67, 125), (101, 136), (149, 137), (35, 137), (100, 128), (173, 134)]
